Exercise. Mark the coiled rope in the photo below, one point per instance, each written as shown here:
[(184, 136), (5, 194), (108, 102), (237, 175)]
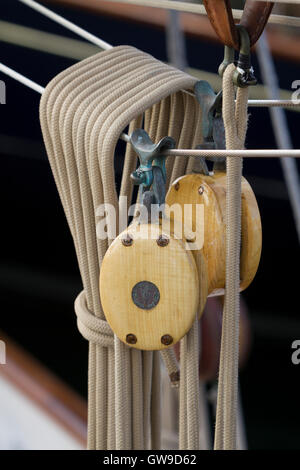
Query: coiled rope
[(83, 112)]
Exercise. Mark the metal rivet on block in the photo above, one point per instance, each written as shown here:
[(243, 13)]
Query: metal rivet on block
[(166, 340), (145, 295), (131, 339), (191, 240), (162, 241), (127, 240)]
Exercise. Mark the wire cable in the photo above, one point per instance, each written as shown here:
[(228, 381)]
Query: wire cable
[(67, 24), (20, 78), (175, 152)]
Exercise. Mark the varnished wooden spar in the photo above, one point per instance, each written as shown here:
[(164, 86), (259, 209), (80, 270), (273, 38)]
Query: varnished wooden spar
[(211, 192), (150, 288)]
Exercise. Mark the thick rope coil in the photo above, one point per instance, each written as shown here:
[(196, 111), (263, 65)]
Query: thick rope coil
[(83, 112), (235, 122)]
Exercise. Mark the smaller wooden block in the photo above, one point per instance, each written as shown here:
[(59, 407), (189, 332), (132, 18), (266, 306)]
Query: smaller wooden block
[(210, 191), (149, 291)]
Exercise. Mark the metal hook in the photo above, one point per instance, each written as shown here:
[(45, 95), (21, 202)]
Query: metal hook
[(149, 154), (212, 124), (229, 54), (152, 169), (244, 74)]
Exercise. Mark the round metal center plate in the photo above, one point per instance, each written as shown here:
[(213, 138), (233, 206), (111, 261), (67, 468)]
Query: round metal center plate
[(145, 295)]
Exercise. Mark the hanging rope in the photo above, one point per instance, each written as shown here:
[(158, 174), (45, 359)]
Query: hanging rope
[(235, 122)]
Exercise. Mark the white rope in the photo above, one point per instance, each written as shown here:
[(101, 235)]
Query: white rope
[(266, 153), (274, 103), (34, 86), (235, 122), (67, 24), (20, 78)]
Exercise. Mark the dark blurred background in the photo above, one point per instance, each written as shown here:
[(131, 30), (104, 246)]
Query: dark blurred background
[(39, 277)]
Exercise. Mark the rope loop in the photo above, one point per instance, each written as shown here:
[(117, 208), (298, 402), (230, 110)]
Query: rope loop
[(92, 328), (235, 122)]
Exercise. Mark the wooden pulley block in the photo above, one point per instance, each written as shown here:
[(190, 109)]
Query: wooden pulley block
[(210, 190), (149, 287)]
